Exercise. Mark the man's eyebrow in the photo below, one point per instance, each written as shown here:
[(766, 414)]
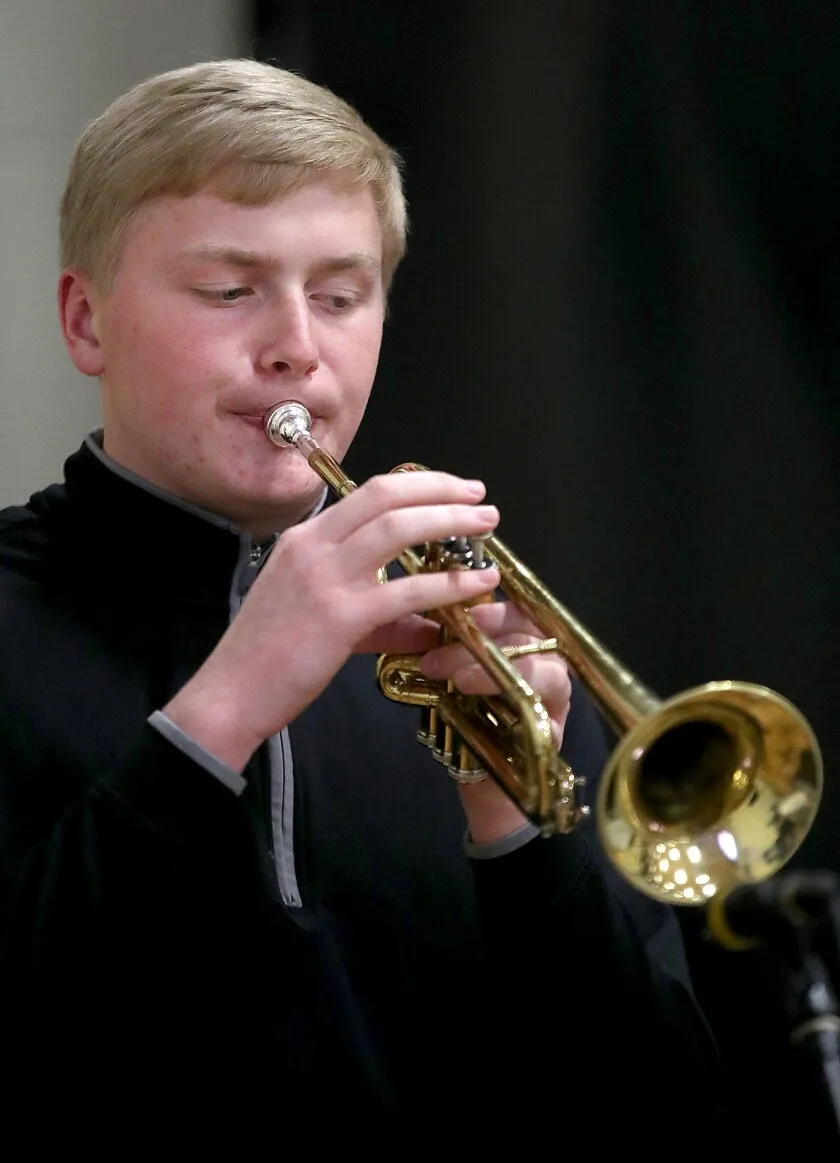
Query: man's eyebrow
[(360, 260)]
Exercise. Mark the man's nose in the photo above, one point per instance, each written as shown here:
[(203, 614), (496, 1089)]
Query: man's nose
[(291, 345)]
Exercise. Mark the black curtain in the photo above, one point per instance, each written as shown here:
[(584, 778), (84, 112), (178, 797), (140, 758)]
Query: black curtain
[(621, 307)]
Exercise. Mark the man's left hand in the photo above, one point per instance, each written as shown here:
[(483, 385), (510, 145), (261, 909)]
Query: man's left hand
[(491, 814)]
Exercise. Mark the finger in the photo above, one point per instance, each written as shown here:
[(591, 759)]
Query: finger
[(551, 682), (550, 677), (548, 674), (384, 604), (384, 493), (505, 617), (385, 537), (445, 661), (558, 726)]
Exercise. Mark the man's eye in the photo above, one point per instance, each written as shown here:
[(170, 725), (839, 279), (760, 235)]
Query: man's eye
[(223, 294), (337, 301), (231, 294)]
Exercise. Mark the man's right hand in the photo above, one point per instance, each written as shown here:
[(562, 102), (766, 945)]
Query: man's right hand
[(318, 600)]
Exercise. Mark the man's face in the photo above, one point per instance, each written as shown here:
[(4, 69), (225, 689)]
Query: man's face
[(219, 311)]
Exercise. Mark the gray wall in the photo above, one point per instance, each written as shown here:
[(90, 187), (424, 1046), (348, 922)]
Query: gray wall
[(60, 64)]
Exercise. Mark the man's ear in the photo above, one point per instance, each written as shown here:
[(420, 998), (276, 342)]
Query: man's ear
[(79, 319)]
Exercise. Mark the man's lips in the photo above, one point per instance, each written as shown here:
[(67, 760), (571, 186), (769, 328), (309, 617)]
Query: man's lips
[(256, 420)]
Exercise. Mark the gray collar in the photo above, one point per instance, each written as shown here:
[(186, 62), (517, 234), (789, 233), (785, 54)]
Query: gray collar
[(94, 443)]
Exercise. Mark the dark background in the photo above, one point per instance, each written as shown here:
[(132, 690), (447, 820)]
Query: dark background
[(620, 308)]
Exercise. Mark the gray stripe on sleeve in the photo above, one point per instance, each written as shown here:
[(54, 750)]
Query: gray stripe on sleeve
[(226, 775), (517, 839)]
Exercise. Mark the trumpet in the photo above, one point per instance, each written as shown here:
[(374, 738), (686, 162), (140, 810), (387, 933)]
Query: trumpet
[(704, 791)]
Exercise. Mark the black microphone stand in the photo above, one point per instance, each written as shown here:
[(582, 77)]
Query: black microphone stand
[(801, 914), (815, 1028)]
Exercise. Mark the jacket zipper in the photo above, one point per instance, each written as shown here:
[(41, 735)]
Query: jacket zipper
[(277, 778)]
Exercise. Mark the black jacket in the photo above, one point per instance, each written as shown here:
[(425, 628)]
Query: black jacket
[(148, 959)]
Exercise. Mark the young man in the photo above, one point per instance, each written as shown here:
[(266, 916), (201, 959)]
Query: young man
[(234, 886)]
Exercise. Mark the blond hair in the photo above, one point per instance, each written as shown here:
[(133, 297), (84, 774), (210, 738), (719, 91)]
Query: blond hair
[(252, 130)]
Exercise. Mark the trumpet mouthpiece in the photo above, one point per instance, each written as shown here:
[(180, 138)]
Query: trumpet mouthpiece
[(285, 423)]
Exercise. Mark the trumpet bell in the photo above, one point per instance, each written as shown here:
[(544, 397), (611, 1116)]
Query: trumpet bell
[(717, 788)]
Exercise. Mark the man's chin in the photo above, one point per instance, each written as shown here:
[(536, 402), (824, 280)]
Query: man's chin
[(264, 515)]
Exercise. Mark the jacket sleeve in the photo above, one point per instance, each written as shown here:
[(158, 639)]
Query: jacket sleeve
[(135, 854)]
